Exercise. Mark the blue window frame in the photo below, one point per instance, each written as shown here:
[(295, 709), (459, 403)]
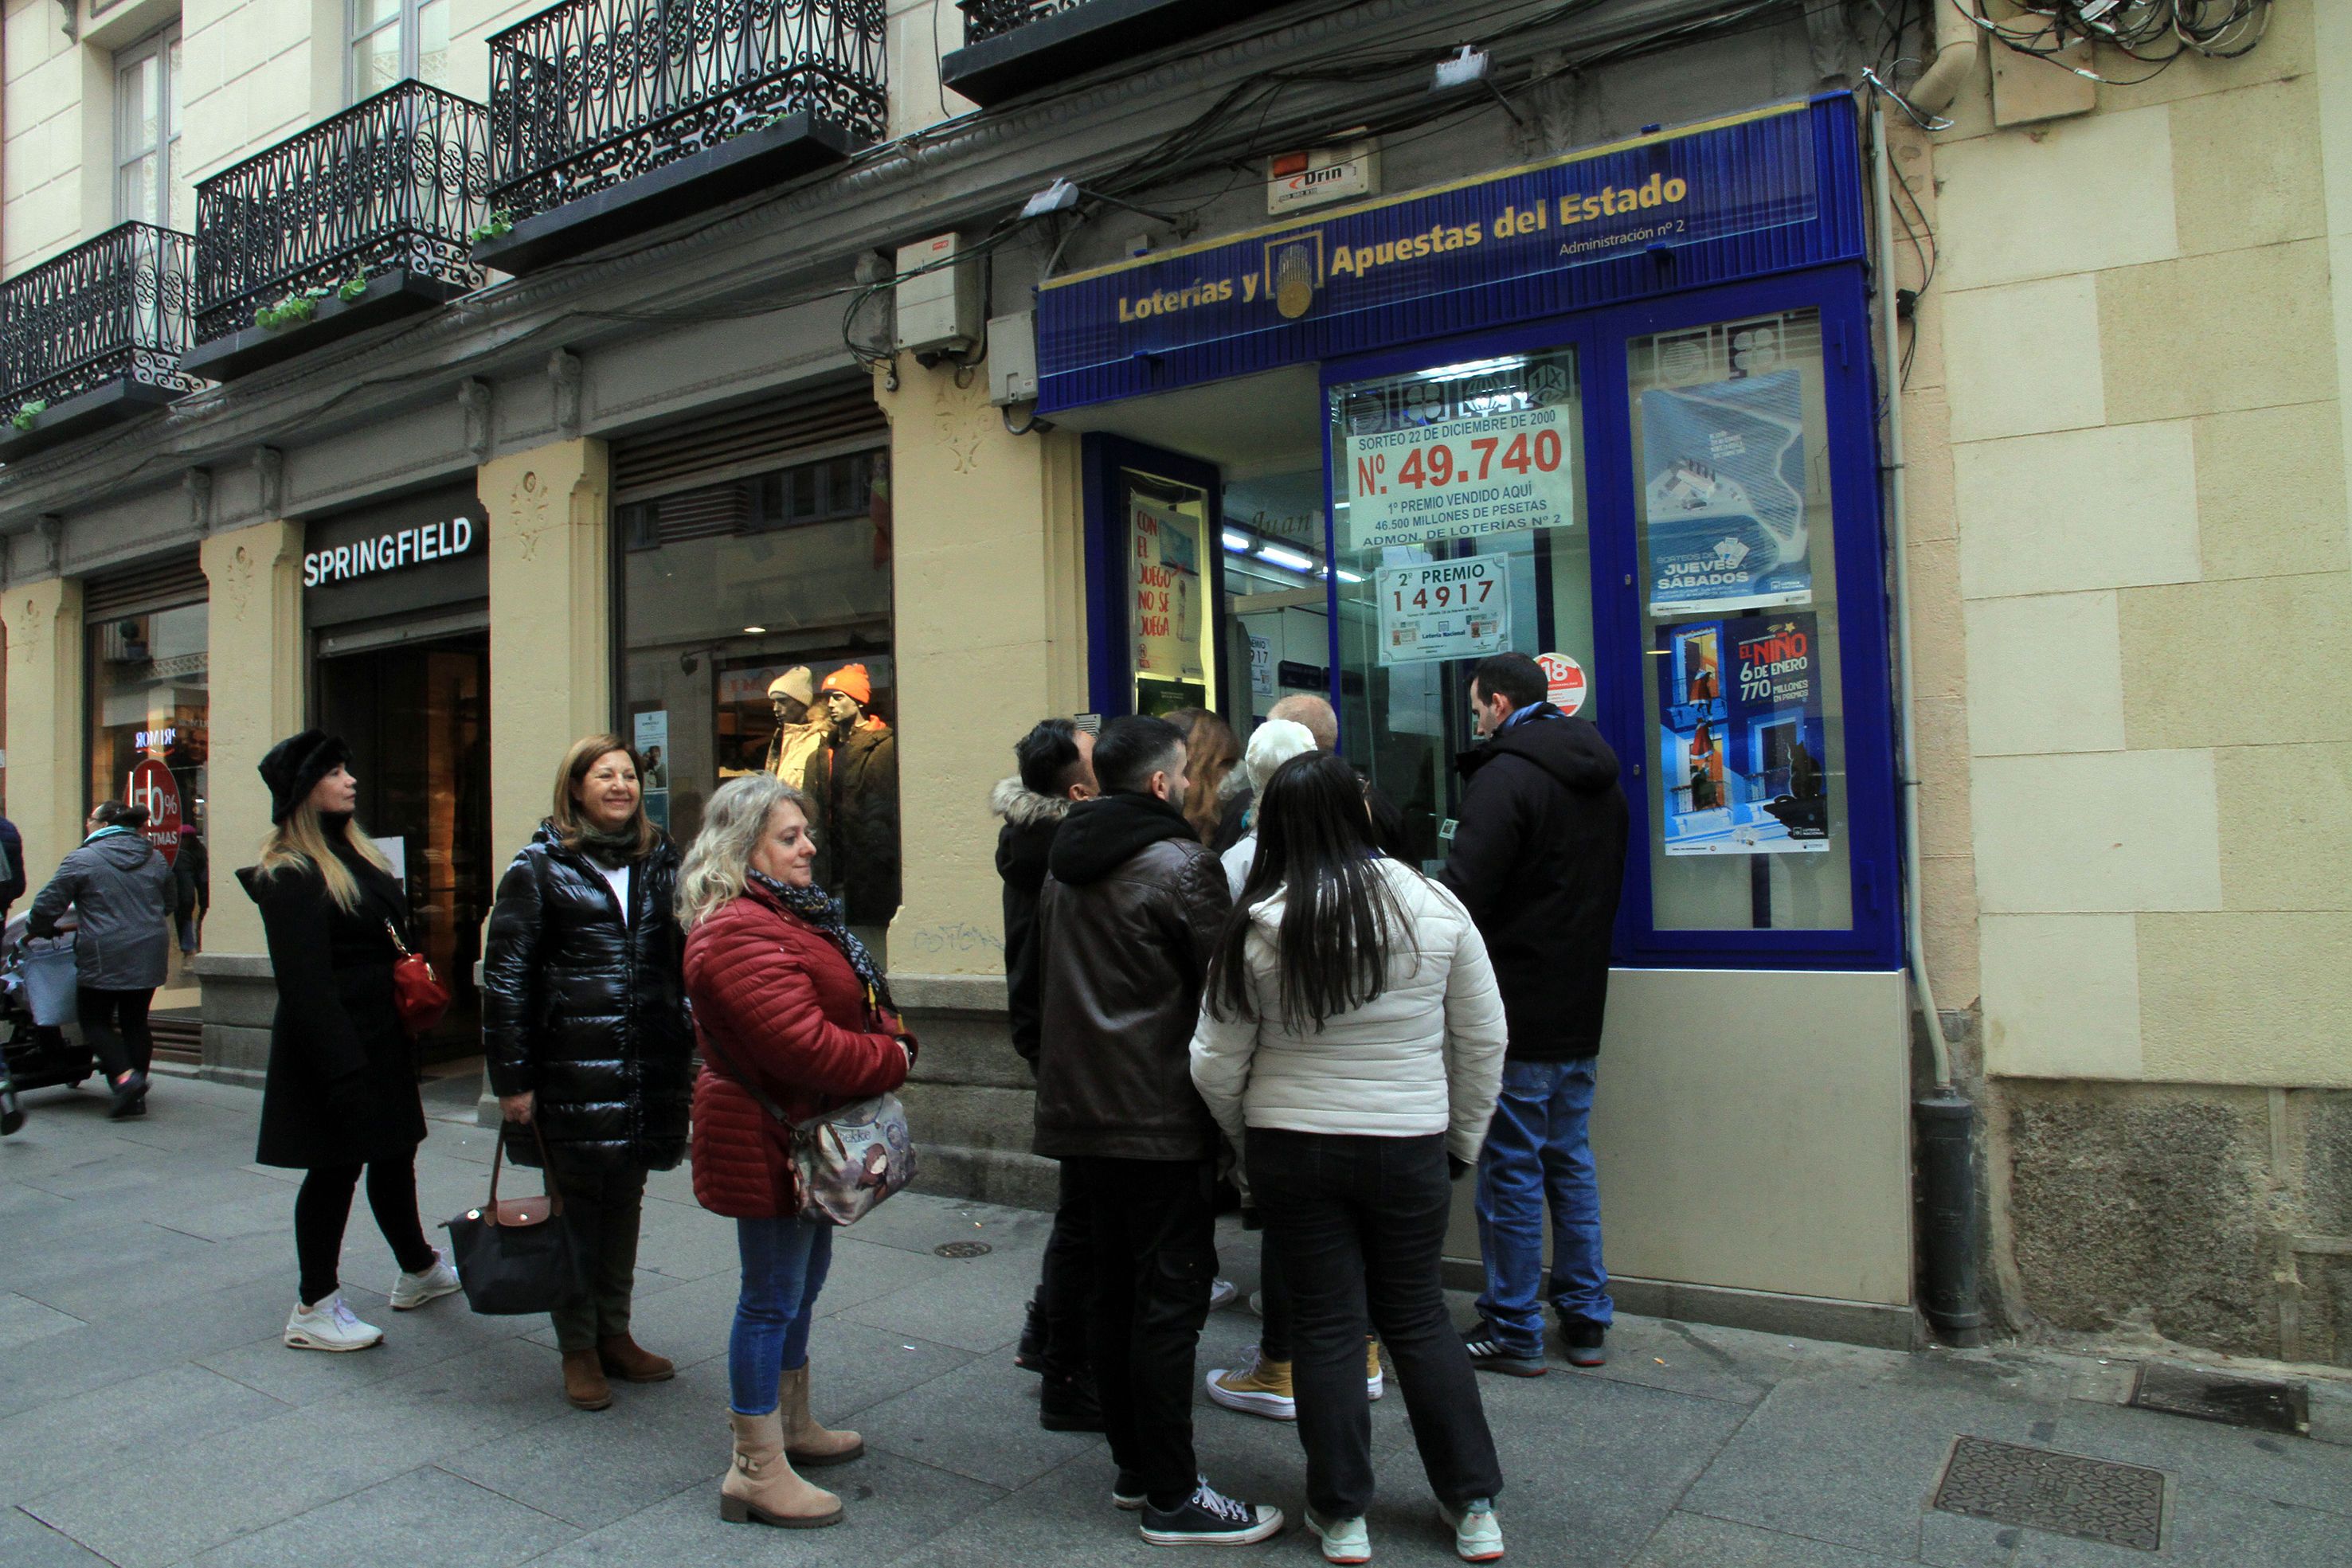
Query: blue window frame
[(1653, 929)]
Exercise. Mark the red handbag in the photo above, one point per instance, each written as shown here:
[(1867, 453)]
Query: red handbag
[(418, 995)]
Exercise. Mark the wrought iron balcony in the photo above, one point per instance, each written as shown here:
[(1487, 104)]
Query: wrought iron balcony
[(611, 117), (361, 219), (1014, 46), (94, 336)]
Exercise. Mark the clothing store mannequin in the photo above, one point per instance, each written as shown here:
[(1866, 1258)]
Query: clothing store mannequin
[(853, 779), (797, 735)]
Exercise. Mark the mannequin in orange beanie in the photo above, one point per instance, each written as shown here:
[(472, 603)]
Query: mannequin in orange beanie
[(852, 781)]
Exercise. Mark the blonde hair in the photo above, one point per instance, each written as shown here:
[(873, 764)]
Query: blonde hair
[(572, 772), (720, 863), (300, 843)]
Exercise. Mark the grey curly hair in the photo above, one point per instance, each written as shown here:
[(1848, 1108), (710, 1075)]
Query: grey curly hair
[(720, 863)]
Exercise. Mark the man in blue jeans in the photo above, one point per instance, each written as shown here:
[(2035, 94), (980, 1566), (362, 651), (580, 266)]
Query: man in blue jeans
[(1539, 859)]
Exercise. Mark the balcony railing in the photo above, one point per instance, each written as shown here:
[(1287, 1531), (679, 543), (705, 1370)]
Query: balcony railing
[(105, 323), (591, 95), (388, 190), (1016, 47)]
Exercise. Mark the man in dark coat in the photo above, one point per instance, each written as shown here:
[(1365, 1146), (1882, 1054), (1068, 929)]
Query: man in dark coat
[(1128, 916), (1056, 761), (192, 889), (12, 866), (852, 781), (1540, 859)]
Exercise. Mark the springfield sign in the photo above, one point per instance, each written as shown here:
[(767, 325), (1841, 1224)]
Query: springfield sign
[(1491, 249), (390, 551)]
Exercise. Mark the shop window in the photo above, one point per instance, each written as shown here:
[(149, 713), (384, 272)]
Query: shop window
[(148, 706), (1459, 519), (727, 589), (1745, 725)]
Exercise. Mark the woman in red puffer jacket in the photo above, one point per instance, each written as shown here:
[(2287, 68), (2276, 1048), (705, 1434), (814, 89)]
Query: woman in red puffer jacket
[(783, 993)]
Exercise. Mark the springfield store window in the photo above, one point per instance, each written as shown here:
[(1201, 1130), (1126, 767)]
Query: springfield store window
[(150, 695), (746, 605)]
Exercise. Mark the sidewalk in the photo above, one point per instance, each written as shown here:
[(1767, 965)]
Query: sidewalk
[(149, 1415)]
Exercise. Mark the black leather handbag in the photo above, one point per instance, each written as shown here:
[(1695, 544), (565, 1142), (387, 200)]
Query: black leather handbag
[(518, 1255)]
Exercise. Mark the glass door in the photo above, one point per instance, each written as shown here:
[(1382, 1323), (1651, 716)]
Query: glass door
[(1158, 631)]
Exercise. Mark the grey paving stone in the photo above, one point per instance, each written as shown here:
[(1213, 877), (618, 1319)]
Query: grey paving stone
[(2213, 1528), (47, 1447), (852, 1368), (1956, 1540), (861, 1272), (2291, 1470), (146, 1263), (142, 1337), (26, 1542), (893, 1505), (978, 1421), (672, 1317), (1694, 1540), (595, 1468), (974, 1304), (23, 1319), (924, 1224), (412, 1341), (686, 1241), (426, 1516)]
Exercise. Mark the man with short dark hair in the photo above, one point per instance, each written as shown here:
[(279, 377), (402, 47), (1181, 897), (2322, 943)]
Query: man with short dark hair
[(1132, 905), (1540, 859), (1056, 772)]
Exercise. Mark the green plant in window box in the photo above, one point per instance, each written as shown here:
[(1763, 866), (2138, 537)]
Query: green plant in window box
[(500, 222), (23, 418), (287, 312), (352, 287)]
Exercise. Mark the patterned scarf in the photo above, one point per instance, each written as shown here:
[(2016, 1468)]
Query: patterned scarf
[(820, 909)]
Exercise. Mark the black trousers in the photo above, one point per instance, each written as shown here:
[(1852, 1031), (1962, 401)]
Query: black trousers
[(605, 1211), (1360, 1224), (1065, 1283), (323, 1207), (114, 1024), (1155, 1254), (1274, 1300)]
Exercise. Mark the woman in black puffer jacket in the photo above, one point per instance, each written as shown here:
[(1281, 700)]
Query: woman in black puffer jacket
[(585, 1031)]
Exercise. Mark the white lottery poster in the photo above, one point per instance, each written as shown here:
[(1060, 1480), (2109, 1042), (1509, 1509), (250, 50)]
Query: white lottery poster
[(1443, 610)]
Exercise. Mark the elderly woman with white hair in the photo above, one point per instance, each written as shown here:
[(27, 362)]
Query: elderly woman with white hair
[(1273, 743), (795, 1020)]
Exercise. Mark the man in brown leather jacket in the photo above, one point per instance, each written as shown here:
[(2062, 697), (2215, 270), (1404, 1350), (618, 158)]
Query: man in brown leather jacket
[(1129, 915)]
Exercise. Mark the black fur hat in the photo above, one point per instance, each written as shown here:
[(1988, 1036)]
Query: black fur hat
[(294, 766)]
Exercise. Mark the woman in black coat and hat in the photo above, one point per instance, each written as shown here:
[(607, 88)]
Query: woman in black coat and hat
[(342, 1090), (585, 1034)]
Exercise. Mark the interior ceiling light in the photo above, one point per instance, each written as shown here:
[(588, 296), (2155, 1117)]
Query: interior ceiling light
[(1280, 556), (1236, 542), (755, 631)]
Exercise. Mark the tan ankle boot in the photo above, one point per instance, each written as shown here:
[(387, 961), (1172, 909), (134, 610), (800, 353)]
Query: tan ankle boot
[(805, 1439), (623, 1357), (761, 1485), (583, 1380)]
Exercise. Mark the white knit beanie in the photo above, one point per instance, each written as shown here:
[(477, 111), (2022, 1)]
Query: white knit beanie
[(1276, 742)]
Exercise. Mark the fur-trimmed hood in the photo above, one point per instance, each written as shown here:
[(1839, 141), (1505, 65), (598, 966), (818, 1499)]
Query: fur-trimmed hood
[(1022, 806)]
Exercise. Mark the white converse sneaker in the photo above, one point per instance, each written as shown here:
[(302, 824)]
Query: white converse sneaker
[(413, 1291), (1344, 1540), (330, 1325)]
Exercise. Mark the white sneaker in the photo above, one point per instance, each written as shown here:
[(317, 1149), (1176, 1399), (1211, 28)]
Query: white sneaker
[(1344, 1540), (1223, 1295), (413, 1291), (1477, 1537), (330, 1325)]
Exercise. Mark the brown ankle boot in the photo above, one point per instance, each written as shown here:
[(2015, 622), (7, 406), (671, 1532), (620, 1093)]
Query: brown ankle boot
[(583, 1380), (760, 1484), (805, 1439), (625, 1358)]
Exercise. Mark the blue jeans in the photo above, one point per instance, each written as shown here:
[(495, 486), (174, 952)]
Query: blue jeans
[(784, 1263), (1537, 1147)]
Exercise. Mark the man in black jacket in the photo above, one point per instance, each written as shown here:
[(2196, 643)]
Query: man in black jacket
[(1539, 859), (1131, 908), (1056, 761)]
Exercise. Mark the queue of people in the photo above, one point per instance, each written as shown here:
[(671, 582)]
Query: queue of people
[(1230, 976)]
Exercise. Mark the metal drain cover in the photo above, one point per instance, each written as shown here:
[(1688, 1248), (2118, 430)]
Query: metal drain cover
[(2092, 1499), (2256, 1402), (961, 1249)]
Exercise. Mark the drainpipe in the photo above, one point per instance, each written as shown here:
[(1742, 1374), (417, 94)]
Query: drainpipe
[(1944, 1118), (1957, 41)]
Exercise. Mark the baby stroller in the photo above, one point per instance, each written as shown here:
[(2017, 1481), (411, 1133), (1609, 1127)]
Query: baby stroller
[(37, 1003)]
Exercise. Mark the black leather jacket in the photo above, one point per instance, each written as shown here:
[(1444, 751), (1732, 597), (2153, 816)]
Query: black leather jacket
[(587, 1013), (1129, 919)]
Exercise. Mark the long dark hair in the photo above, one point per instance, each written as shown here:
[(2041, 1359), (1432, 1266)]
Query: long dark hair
[(1340, 914)]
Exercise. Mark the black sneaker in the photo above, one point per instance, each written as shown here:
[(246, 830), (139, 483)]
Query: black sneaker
[(1127, 1493), (129, 1096), (1582, 1338), (1210, 1518), (1070, 1404), (1489, 1354), (1030, 1355)]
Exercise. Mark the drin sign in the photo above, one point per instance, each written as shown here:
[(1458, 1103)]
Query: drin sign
[(392, 550)]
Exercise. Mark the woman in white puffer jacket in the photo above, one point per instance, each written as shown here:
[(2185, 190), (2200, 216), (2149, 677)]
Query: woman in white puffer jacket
[(1350, 1043)]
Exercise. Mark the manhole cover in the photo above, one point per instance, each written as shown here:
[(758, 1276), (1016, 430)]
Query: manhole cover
[(961, 1249), (2092, 1499), (2212, 1397)]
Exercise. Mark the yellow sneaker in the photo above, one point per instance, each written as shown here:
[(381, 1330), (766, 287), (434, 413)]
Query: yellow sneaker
[(1375, 1385), (1260, 1387)]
